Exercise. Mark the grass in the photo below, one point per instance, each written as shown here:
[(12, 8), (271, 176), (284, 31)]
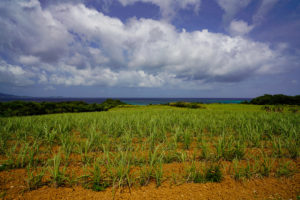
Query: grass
[(158, 173), (267, 164), (195, 174), (58, 176), (137, 145), (286, 169), (34, 179), (241, 172), (99, 183)]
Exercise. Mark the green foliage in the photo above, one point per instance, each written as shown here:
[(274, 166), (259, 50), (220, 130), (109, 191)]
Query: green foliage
[(292, 146), (3, 146), (194, 174), (214, 173), (34, 179), (58, 176), (3, 167), (238, 171), (276, 108), (229, 148), (145, 175), (158, 171), (186, 104), (266, 165), (277, 147), (294, 109), (19, 156), (133, 145), (285, 169), (204, 150), (119, 168), (276, 99), (22, 108), (98, 180), (187, 139), (241, 172)]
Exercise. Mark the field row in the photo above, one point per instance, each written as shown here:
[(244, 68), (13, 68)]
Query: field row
[(126, 147)]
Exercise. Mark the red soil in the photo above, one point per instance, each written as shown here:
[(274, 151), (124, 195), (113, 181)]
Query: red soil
[(13, 186)]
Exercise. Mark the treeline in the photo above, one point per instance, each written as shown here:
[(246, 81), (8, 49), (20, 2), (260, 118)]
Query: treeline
[(278, 99), (22, 108), (186, 104)]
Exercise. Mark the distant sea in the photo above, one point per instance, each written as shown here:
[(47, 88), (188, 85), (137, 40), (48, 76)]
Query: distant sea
[(132, 101)]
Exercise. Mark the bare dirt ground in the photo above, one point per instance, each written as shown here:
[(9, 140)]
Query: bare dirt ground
[(12, 186)]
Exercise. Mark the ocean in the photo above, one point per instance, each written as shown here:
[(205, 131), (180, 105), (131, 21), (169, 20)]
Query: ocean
[(133, 101)]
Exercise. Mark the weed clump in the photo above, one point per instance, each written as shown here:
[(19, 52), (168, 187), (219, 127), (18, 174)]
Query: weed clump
[(214, 174)]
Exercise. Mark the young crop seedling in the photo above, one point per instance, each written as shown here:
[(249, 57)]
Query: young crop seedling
[(285, 169), (58, 176), (266, 165), (158, 171), (34, 179), (99, 183), (151, 145), (194, 174)]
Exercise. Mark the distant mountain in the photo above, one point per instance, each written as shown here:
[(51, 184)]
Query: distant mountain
[(6, 96)]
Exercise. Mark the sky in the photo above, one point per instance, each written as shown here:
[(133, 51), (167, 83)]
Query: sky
[(149, 48)]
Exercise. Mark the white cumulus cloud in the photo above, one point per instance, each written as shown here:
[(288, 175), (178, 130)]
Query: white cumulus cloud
[(15, 75), (29, 30), (239, 28), (87, 47)]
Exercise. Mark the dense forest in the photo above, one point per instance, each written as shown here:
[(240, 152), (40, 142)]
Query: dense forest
[(278, 99), (23, 108)]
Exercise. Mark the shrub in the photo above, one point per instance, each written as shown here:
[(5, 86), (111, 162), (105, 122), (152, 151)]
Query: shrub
[(182, 104), (214, 174), (22, 108), (276, 99)]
